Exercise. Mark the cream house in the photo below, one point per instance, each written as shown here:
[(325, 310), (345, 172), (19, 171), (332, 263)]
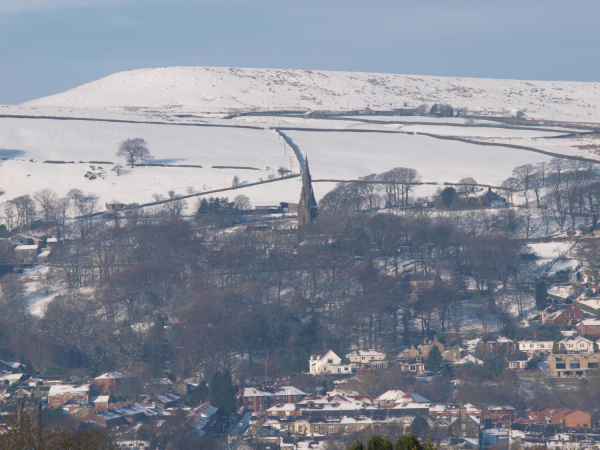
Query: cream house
[(368, 359), (577, 344)]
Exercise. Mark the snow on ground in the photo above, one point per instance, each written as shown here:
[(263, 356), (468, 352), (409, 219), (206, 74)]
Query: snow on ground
[(477, 132), (66, 140), (75, 140), (218, 89), (551, 250), (345, 156), (38, 290)]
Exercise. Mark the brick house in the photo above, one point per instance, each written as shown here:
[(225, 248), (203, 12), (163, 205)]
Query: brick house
[(59, 394), (497, 345), (263, 399), (110, 381), (571, 418), (502, 415), (566, 417), (589, 327), (412, 366), (556, 315)]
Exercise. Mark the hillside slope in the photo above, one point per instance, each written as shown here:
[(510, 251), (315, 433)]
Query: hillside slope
[(175, 90)]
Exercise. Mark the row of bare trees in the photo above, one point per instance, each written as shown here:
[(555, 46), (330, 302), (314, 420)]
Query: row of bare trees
[(46, 208), (390, 189), (561, 189)]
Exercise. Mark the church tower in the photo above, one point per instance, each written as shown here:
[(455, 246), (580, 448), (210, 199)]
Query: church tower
[(307, 207)]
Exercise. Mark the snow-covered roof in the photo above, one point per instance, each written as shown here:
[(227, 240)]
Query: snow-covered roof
[(61, 389), (289, 390), (591, 322), (282, 408), (12, 376), (365, 353), (100, 399), (253, 392), (391, 395), (577, 340), (12, 364), (469, 359), (411, 405), (112, 376), (26, 247)]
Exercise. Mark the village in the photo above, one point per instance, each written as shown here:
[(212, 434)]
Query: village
[(341, 395)]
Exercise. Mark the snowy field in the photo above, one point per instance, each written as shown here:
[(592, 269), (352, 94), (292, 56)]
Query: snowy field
[(346, 156), (178, 97), (191, 90), (30, 142)]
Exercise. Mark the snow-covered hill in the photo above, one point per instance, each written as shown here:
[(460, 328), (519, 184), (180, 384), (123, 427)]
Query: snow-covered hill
[(201, 90)]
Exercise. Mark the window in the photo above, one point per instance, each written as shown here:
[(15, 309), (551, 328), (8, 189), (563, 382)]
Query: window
[(561, 366), (574, 366)]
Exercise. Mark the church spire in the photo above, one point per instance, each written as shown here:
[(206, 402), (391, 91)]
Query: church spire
[(308, 210)]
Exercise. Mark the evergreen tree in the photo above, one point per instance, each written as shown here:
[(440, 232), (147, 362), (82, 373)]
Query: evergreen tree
[(408, 442), (357, 445), (29, 369), (541, 294), (419, 426), (221, 391), (158, 347), (435, 360), (448, 196), (106, 365), (379, 443)]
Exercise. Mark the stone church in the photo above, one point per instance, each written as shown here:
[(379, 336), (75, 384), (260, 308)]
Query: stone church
[(308, 209)]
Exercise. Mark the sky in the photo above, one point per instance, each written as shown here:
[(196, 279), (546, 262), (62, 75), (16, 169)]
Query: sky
[(49, 46)]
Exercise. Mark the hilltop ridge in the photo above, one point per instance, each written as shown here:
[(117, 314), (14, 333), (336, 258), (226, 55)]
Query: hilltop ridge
[(220, 90)]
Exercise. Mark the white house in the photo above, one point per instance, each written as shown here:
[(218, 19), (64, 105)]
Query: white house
[(326, 361), (534, 347), (577, 344), (367, 358)]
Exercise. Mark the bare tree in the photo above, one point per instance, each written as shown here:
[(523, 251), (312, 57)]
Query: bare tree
[(26, 211), (242, 202), (9, 212), (466, 186), (134, 150), (588, 252), (46, 198), (176, 206), (524, 175), (236, 181)]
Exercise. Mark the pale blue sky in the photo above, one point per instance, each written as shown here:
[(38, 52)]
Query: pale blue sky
[(48, 46)]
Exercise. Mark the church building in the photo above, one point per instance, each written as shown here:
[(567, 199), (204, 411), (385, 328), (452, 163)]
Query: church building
[(308, 209)]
